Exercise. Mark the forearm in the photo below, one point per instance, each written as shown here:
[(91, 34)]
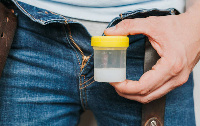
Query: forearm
[(192, 16)]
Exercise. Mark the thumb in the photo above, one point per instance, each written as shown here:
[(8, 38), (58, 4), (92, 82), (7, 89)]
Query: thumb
[(129, 27)]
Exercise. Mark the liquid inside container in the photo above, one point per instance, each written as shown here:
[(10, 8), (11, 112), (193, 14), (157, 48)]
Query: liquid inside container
[(109, 63)]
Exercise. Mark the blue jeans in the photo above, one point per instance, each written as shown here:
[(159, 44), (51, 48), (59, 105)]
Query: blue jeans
[(43, 83)]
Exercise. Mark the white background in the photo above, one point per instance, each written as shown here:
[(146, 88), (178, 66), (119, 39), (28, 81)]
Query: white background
[(87, 119)]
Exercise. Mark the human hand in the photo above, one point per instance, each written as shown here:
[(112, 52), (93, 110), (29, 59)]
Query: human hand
[(176, 38)]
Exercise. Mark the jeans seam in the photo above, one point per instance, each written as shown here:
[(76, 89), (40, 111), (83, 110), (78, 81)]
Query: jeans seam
[(61, 16), (42, 21), (28, 13), (83, 64), (86, 104), (82, 100), (80, 76), (87, 85), (69, 31), (25, 10), (73, 48), (83, 96), (77, 48), (86, 81), (88, 62)]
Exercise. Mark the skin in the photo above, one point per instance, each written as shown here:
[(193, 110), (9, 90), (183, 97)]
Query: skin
[(176, 38), (189, 3)]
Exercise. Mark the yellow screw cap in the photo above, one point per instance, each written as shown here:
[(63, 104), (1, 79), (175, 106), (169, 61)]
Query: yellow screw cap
[(110, 41)]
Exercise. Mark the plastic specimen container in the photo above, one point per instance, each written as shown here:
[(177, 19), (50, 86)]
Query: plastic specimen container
[(110, 58)]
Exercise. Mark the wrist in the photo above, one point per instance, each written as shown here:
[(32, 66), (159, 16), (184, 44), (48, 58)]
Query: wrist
[(191, 20), (192, 16), (194, 9)]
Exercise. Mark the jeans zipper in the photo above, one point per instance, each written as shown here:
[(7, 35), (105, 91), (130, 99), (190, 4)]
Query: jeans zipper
[(84, 58)]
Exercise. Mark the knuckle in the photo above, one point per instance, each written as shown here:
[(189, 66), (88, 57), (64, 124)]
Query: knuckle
[(119, 93), (124, 26), (145, 100), (183, 81), (144, 91), (126, 23), (121, 90), (178, 84), (176, 67)]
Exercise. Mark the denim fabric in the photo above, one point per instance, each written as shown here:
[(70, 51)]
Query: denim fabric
[(42, 83)]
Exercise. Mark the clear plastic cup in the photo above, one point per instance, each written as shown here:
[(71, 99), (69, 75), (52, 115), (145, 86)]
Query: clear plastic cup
[(110, 58)]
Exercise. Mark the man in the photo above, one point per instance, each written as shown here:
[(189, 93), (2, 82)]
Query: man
[(48, 78)]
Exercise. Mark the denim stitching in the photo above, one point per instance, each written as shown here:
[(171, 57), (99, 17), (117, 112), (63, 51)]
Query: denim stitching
[(72, 37), (82, 100), (66, 22), (73, 48), (77, 58), (80, 78), (77, 48), (84, 78), (87, 85), (42, 21), (25, 10), (75, 51), (86, 104), (26, 13), (87, 63), (81, 93), (83, 89), (86, 81), (65, 19)]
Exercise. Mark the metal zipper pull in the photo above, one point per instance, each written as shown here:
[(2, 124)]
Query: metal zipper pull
[(84, 61)]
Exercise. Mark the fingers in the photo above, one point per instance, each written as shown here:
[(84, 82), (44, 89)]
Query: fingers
[(149, 82), (152, 96), (158, 93), (130, 27), (166, 87), (160, 80)]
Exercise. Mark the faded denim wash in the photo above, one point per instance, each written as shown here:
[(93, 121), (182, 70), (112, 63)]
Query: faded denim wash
[(43, 85)]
